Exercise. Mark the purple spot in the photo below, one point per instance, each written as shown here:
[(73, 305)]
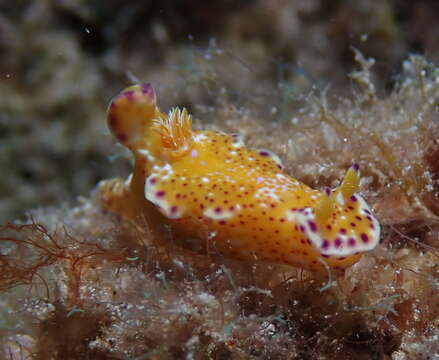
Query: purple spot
[(356, 167), (218, 210), (301, 228), (325, 256), (160, 194), (328, 191), (174, 209), (280, 167), (337, 242), (264, 153), (353, 198), (365, 238), (129, 95), (312, 226), (148, 90), (343, 231), (122, 137), (369, 218), (152, 181), (325, 244), (367, 212), (112, 119), (237, 138), (351, 242)]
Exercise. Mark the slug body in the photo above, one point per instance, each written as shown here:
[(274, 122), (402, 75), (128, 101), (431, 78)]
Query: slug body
[(210, 188)]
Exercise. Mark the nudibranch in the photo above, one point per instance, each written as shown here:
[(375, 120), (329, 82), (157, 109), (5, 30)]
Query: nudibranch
[(210, 188)]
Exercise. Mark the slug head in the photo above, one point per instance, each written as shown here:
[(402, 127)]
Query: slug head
[(342, 225)]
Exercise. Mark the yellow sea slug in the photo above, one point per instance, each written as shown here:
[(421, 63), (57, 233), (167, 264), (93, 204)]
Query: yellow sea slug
[(215, 192)]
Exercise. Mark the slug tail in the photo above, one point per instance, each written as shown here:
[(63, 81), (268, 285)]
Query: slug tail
[(131, 113)]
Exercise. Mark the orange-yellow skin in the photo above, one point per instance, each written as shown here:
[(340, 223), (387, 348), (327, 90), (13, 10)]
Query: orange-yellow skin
[(218, 193)]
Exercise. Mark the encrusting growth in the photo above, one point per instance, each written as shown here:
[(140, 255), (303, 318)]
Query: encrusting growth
[(209, 186)]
